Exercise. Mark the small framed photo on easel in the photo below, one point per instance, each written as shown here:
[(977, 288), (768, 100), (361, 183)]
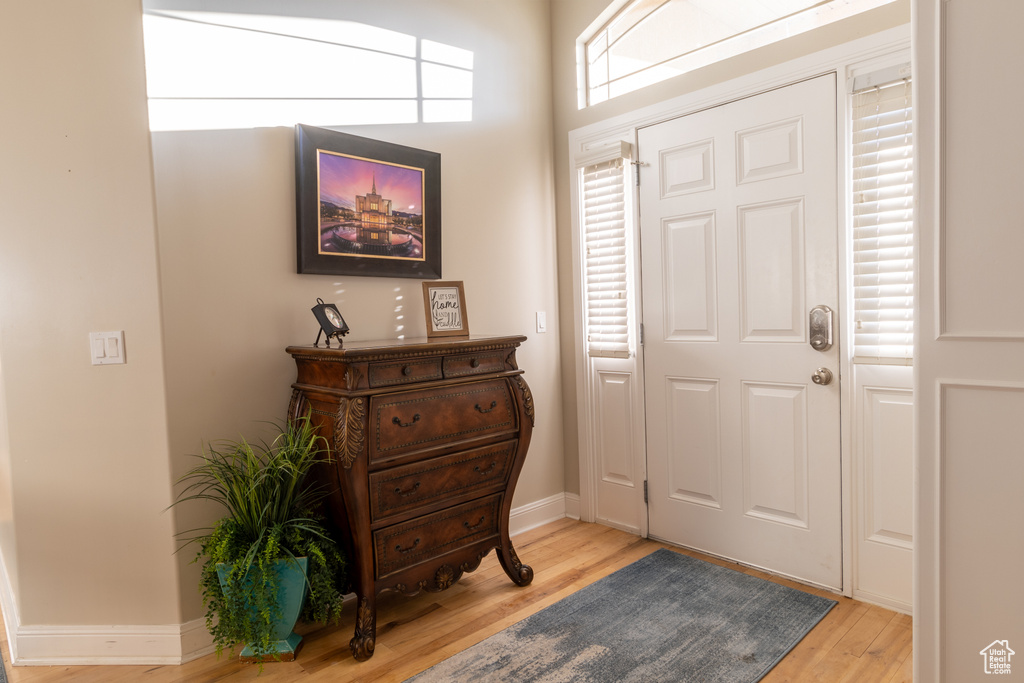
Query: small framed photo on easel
[(445, 307)]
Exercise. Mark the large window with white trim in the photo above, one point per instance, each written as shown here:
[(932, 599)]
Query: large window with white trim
[(883, 218)]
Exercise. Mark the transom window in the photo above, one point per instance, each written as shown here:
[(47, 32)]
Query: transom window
[(647, 41)]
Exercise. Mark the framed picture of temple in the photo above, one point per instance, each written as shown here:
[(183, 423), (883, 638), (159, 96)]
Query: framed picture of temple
[(366, 207)]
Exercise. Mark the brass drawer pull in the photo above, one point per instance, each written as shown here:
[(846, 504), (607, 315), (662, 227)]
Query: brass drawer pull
[(400, 549), (488, 470), (407, 492), (398, 421), (472, 527), (474, 363), (485, 410)]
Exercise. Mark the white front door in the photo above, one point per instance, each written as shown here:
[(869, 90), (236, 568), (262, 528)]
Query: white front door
[(739, 243)]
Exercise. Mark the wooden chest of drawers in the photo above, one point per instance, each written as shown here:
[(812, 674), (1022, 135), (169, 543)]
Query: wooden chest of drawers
[(427, 441)]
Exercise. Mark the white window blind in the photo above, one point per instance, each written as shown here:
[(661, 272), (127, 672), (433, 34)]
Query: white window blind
[(883, 212), (605, 258)]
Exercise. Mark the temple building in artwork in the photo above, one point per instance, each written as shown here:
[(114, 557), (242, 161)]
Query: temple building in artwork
[(375, 231), (374, 215)]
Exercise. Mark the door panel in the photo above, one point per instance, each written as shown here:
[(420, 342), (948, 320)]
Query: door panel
[(775, 452), (691, 297), (771, 253), (614, 452), (695, 458), (739, 241)]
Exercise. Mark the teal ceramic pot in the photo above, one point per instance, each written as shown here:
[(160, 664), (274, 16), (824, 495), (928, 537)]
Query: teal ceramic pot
[(291, 594)]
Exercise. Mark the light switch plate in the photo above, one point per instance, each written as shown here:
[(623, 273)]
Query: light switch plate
[(542, 321), (106, 348)]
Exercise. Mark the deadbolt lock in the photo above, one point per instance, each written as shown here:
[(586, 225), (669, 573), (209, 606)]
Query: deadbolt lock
[(821, 328)]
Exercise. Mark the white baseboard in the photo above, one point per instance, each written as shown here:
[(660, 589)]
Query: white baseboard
[(884, 601), (196, 641), (10, 608), (174, 643), (534, 514), (105, 645), (572, 506), (75, 645)]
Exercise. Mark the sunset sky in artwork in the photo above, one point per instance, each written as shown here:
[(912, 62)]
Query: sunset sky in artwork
[(342, 178)]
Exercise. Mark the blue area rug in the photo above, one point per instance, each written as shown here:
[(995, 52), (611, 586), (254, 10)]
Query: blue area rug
[(666, 617)]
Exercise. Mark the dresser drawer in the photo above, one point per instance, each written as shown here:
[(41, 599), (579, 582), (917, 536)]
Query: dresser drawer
[(389, 374), (403, 545), (413, 420), (474, 363), (403, 488)]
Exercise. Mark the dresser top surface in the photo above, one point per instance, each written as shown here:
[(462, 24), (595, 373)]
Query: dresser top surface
[(355, 350)]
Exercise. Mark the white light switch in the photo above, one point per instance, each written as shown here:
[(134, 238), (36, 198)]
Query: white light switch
[(542, 321), (107, 348)]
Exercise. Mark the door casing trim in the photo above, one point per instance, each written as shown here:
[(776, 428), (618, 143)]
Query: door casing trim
[(582, 141)]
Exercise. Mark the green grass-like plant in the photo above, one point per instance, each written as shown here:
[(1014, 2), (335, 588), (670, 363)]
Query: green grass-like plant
[(271, 505)]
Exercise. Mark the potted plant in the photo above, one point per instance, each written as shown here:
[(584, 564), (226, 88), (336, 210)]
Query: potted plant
[(270, 546)]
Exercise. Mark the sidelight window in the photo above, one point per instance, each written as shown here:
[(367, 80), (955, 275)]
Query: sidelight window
[(883, 217), (605, 217)]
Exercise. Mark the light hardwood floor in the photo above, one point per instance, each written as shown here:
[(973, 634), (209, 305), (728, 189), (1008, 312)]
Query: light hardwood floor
[(854, 642)]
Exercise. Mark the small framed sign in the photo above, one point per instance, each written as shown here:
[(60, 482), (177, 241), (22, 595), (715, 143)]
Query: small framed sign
[(445, 307)]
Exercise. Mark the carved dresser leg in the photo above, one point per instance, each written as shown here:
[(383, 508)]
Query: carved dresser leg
[(363, 641), (521, 574)]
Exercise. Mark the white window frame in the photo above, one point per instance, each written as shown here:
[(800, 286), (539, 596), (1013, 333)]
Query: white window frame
[(609, 339), (767, 34), (594, 368), (880, 281), (871, 390)]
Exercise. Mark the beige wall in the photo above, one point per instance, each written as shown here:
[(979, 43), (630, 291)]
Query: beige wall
[(569, 19), (88, 454), (226, 220), (88, 458), (8, 539)]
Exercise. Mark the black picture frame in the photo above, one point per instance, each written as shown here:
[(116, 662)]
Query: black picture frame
[(342, 232)]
